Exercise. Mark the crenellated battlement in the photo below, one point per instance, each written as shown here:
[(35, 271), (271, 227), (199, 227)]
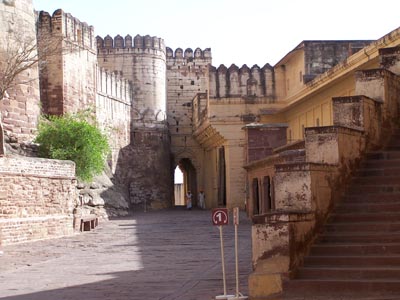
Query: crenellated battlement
[(138, 42), (114, 85), (241, 82), (188, 53), (65, 25)]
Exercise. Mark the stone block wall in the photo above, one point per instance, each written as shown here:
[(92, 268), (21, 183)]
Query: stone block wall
[(263, 138), (19, 110), (146, 171), (37, 198), (142, 61), (67, 48), (187, 79), (113, 110), (320, 56)]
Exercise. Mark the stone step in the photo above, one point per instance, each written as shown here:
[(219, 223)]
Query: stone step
[(374, 198), (357, 256), (355, 249), (363, 189), (359, 237), (365, 217), (388, 163), (369, 227), (348, 273), (394, 170), (377, 180), (353, 261), (331, 287), (370, 207), (350, 296), (393, 146), (383, 155)]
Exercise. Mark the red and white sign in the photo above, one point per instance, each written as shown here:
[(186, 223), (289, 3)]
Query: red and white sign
[(220, 216)]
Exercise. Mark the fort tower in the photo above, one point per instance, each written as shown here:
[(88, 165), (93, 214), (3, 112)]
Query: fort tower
[(146, 160)]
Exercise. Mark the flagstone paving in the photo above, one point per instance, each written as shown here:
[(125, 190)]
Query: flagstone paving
[(165, 255)]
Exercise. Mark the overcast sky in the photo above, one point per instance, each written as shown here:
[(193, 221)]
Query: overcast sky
[(237, 31)]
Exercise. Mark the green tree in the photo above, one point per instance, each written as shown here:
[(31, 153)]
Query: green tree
[(74, 137)]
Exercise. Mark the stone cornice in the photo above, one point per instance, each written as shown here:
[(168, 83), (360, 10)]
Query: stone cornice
[(345, 68), (208, 137)]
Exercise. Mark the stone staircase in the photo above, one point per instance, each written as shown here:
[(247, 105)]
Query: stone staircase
[(357, 255)]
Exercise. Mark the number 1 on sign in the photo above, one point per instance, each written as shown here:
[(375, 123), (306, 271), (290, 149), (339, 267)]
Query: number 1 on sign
[(218, 215)]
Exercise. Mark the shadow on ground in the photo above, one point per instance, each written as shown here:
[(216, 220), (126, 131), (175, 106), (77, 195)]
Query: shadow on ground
[(173, 254)]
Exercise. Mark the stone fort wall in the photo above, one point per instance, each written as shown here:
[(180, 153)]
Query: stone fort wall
[(19, 110), (146, 160), (37, 197), (68, 72), (113, 110)]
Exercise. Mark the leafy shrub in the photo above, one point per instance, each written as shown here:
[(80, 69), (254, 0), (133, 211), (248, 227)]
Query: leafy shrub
[(74, 137)]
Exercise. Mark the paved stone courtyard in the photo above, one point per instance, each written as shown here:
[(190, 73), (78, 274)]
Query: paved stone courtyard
[(173, 254)]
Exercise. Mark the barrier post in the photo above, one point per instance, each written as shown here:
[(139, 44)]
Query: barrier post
[(220, 218), (238, 295)]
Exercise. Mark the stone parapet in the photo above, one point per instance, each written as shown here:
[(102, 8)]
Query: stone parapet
[(280, 241), (37, 198), (242, 82), (38, 167), (19, 230), (390, 59), (138, 42), (67, 27)]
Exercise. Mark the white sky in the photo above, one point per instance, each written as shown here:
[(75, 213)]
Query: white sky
[(237, 31)]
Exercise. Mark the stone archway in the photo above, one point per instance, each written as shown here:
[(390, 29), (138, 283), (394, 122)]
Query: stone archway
[(189, 178)]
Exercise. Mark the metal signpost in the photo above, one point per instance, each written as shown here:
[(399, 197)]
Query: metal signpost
[(220, 217), (238, 295)]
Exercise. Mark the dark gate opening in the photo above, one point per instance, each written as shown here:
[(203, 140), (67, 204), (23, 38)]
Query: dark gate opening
[(189, 182), (268, 205), (256, 197), (221, 177)]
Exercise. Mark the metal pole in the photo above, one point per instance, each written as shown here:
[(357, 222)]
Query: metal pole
[(237, 261), (222, 258)]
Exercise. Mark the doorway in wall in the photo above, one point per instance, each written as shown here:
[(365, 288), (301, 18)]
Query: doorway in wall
[(185, 180), (2, 151), (221, 177), (267, 199), (256, 197)]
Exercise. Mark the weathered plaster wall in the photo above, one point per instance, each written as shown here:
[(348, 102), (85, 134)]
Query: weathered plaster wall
[(37, 197), (390, 59), (274, 255), (360, 113), (289, 74), (220, 123), (382, 86), (320, 56)]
